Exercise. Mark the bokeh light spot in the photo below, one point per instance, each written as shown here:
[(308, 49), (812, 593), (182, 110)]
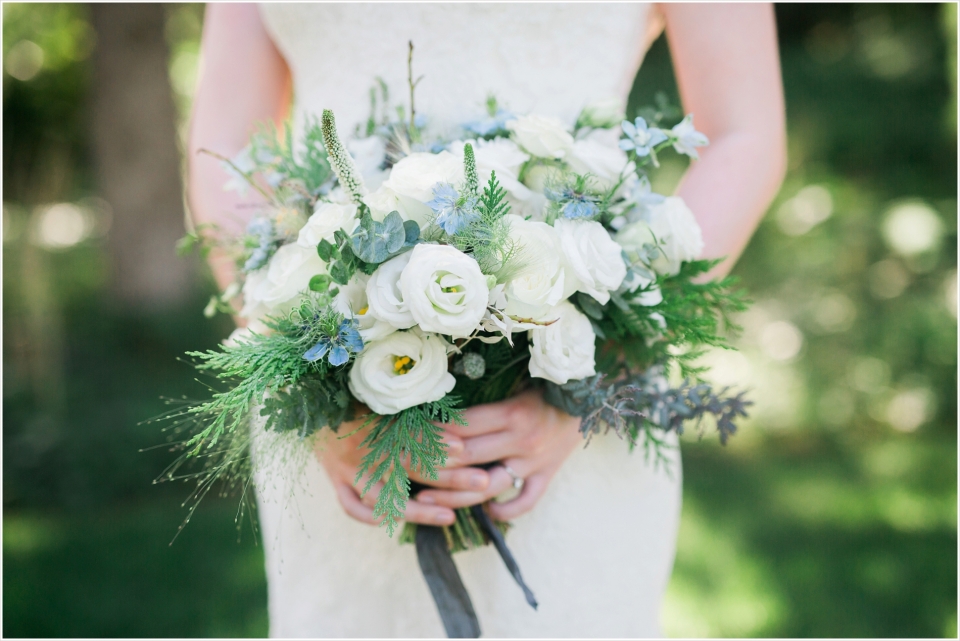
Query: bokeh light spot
[(781, 340), (912, 228), (887, 278), (24, 60)]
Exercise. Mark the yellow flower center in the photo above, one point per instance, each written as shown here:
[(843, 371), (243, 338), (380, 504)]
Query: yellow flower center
[(363, 311), (403, 364), (450, 290)]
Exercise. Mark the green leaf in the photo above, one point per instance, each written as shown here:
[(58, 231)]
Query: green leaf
[(325, 250), (590, 306), (341, 272), (320, 283)]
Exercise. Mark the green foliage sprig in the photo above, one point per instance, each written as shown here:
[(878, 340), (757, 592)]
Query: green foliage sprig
[(410, 436), (487, 236)]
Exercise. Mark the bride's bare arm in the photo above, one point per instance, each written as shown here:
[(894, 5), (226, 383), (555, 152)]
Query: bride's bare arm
[(243, 81), (728, 71)]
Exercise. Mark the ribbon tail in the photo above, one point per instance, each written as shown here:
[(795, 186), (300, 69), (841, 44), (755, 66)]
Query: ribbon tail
[(450, 595), (497, 537)]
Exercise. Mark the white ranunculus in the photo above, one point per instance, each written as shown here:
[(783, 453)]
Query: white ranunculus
[(444, 290), (412, 181), (545, 278), (351, 301), (326, 219), (274, 288), (603, 113), (381, 202), (401, 370), (595, 258), (541, 136), (564, 350), (369, 154), (679, 234), (384, 296)]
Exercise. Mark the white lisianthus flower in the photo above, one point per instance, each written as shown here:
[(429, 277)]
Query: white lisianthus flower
[(444, 290), (564, 350), (541, 136), (401, 370), (277, 286), (384, 297), (605, 162), (351, 301), (545, 278), (369, 154), (602, 114), (595, 258), (411, 182), (326, 219), (679, 234)]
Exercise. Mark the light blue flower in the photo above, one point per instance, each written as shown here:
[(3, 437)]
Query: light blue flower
[(573, 204), (643, 193), (579, 208), (453, 211), (688, 138), (490, 124), (640, 138), (338, 347)]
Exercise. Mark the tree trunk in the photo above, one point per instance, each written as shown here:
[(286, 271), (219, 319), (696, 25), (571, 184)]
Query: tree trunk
[(135, 143)]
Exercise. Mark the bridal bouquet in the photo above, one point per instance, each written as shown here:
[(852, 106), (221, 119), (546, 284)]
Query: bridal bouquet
[(417, 272)]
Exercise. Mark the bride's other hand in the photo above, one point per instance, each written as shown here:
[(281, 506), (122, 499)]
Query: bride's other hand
[(341, 456), (527, 435)]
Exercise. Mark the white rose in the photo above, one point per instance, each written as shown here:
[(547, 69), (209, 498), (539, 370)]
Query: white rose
[(351, 301), (401, 370), (564, 350), (541, 136), (605, 162), (603, 113), (384, 296), (277, 286), (412, 180), (545, 278), (595, 258), (680, 238), (444, 290), (326, 219), (369, 154)]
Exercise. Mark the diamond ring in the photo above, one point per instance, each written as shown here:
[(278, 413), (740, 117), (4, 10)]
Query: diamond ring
[(517, 480)]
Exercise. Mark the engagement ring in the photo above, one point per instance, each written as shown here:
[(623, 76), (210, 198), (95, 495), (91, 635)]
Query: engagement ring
[(517, 481)]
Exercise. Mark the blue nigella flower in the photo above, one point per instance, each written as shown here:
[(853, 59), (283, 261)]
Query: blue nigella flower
[(579, 208), (453, 210), (641, 138), (490, 124), (575, 204), (338, 348)]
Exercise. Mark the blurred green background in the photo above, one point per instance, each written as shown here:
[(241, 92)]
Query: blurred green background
[(833, 513)]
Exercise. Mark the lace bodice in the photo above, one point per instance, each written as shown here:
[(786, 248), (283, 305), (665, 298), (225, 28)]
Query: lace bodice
[(545, 58)]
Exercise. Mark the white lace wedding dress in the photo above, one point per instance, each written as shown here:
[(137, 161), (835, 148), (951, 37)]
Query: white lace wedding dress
[(598, 548)]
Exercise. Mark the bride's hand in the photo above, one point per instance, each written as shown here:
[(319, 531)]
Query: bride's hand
[(532, 438), (341, 457)]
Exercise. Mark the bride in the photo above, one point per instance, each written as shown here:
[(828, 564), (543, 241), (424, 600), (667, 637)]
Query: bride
[(594, 529)]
